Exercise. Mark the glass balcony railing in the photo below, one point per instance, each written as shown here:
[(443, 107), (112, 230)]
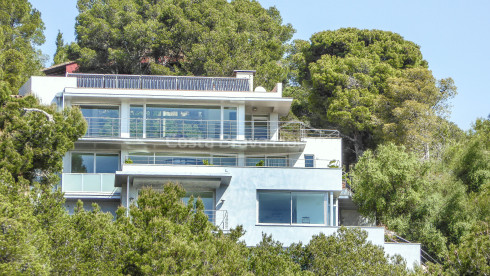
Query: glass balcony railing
[(228, 161), (102, 127), (89, 183), (183, 129), (180, 129)]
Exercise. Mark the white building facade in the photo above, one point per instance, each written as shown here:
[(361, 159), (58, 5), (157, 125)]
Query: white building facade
[(218, 138)]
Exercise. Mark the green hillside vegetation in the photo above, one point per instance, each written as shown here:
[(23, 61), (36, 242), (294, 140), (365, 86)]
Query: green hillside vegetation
[(410, 169)]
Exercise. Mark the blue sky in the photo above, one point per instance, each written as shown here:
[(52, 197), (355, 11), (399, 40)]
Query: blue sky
[(453, 36)]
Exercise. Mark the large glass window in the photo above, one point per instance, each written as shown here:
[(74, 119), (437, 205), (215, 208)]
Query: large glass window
[(229, 123), (106, 163), (183, 122), (274, 207), (82, 163), (292, 207), (308, 208), (103, 121), (94, 162)]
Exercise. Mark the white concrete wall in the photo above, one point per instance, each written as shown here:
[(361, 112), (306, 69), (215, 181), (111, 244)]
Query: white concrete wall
[(324, 149), (144, 93), (294, 234), (239, 197), (409, 251), (46, 88)]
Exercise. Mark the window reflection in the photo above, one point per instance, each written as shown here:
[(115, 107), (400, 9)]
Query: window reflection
[(94, 163)]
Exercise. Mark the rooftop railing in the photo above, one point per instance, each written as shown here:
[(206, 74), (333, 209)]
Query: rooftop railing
[(161, 82)]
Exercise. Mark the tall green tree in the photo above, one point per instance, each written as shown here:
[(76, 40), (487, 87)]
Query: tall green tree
[(171, 238), (372, 85), (24, 246), (210, 37), (34, 138), (21, 30), (437, 202), (60, 55), (471, 157)]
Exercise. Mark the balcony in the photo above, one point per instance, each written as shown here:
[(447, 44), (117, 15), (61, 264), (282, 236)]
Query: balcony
[(161, 82), (90, 184), (103, 127), (180, 129), (226, 161), (219, 218)]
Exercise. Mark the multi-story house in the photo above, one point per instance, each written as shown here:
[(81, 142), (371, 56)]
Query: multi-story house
[(222, 140)]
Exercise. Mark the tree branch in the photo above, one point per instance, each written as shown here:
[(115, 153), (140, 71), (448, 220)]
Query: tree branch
[(49, 116)]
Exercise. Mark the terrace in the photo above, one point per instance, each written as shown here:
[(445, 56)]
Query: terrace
[(181, 129)]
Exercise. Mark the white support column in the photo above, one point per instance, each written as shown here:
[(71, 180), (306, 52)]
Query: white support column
[(336, 211), (124, 119), (221, 125), (241, 122), (124, 154), (127, 196), (274, 126), (331, 208), (144, 121)]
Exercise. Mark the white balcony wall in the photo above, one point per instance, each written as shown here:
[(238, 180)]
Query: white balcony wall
[(89, 183), (239, 197), (409, 251), (324, 150), (47, 88)]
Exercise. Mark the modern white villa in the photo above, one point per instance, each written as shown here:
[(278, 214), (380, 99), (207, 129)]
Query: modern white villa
[(221, 139)]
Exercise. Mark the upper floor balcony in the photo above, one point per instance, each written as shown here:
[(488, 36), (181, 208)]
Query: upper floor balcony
[(183, 129)]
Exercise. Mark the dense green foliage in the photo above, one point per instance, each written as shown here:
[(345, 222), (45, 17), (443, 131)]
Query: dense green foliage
[(21, 29), (372, 85), (443, 203), (163, 236), (416, 174), (346, 253), (210, 38), (31, 143)]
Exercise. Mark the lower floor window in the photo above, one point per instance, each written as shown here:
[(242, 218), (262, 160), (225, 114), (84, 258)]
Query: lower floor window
[(94, 162), (295, 208)]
